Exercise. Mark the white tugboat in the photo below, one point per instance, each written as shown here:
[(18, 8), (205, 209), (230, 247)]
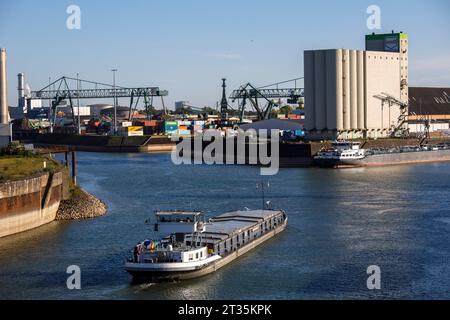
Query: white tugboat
[(190, 247)]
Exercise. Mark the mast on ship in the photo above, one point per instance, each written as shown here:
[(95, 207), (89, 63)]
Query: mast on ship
[(262, 185)]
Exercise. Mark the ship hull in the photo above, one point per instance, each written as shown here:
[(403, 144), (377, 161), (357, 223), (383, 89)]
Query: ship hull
[(163, 276), (390, 159)]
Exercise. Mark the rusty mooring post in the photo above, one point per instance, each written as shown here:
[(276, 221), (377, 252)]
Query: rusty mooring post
[(66, 155), (74, 167)]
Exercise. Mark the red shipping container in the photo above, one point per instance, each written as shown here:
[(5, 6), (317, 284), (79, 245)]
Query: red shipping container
[(145, 123)]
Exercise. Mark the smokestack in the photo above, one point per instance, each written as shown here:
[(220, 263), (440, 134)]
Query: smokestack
[(21, 91), (4, 108)]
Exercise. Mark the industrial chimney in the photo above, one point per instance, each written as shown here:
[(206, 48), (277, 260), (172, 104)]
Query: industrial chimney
[(21, 91), (4, 108)]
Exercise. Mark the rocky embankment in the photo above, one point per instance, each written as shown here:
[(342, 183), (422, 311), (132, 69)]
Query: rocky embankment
[(81, 205)]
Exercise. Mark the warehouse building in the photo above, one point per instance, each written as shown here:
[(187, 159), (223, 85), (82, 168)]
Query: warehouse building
[(353, 94), (429, 111)]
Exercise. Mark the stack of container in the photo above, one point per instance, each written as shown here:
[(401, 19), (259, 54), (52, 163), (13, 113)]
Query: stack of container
[(198, 126), (126, 124), (131, 131), (170, 127), (184, 127), (150, 126)]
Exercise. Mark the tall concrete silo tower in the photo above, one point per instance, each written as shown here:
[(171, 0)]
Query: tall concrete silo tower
[(4, 108)]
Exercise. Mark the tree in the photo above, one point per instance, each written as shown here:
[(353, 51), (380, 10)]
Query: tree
[(286, 110), (301, 104), (209, 110)]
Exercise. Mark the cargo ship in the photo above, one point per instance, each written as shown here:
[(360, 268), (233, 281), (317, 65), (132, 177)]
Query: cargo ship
[(191, 247), (346, 154)]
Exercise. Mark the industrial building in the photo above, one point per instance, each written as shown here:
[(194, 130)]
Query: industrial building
[(429, 111), (180, 105), (353, 94)]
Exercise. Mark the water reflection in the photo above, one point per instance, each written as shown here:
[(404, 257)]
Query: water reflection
[(340, 222)]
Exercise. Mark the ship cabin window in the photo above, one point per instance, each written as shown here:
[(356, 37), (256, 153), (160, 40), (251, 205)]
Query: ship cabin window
[(188, 243), (201, 254), (180, 218), (196, 256)]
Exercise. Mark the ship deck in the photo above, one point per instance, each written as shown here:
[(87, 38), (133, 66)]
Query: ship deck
[(232, 223)]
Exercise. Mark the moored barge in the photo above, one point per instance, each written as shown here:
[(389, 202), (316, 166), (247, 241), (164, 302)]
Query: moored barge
[(346, 154)]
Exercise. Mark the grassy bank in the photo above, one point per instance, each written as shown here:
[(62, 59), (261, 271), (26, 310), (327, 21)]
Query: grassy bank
[(17, 167)]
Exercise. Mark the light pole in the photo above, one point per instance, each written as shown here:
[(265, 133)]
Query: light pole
[(50, 115), (78, 104), (115, 98)]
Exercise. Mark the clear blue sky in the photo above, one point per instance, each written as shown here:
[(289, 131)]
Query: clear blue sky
[(187, 46)]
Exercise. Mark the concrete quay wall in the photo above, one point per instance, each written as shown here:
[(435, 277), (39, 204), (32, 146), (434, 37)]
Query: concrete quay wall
[(31, 202)]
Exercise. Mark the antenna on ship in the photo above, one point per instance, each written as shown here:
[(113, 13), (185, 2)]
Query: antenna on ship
[(262, 185)]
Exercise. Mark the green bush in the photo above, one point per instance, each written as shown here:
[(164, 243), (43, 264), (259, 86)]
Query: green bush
[(15, 148)]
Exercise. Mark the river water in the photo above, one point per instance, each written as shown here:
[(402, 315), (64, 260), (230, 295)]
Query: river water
[(340, 223)]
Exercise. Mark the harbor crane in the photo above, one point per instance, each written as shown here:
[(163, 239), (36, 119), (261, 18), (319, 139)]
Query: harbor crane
[(390, 100), (59, 91), (268, 94)]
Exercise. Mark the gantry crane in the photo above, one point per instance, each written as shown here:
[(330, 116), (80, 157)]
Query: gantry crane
[(268, 94), (59, 91)]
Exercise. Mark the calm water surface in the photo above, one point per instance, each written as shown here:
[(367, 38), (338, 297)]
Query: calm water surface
[(340, 222)]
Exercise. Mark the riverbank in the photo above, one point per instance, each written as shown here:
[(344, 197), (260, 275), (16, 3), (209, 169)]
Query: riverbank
[(36, 190), (80, 205), (31, 188)]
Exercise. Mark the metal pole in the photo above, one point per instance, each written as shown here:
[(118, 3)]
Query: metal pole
[(50, 89), (262, 184), (50, 104), (78, 103), (115, 98), (74, 167), (164, 106)]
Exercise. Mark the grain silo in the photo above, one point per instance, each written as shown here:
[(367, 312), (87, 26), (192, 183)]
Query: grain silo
[(341, 89)]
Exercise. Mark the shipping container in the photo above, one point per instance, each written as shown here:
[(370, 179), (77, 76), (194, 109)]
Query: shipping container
[(146, 123), (299, 133), (171, 123), (170, 127), (184, 132), (184, 123), (131, 131)]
